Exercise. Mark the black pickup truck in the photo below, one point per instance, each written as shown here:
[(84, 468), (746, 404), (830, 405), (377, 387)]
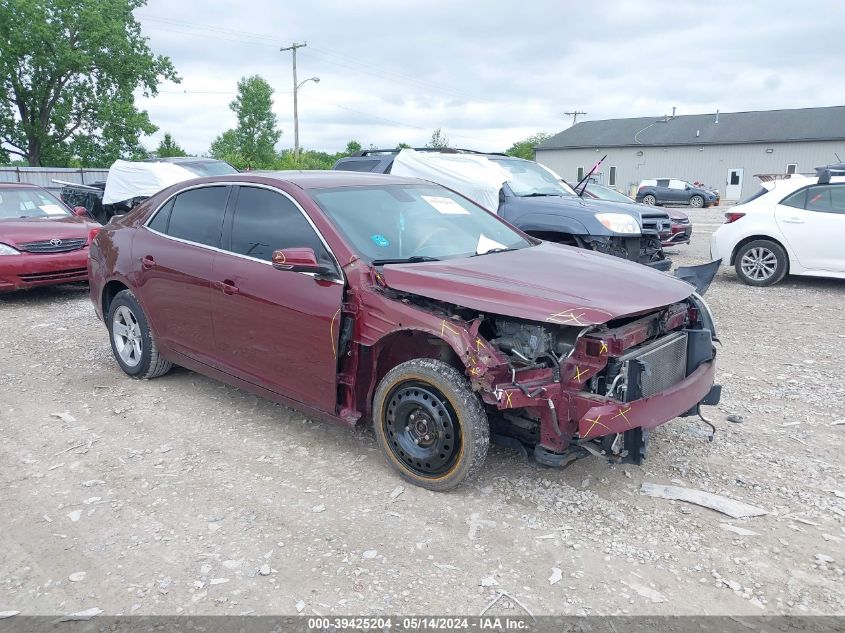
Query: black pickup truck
[(535, 201)]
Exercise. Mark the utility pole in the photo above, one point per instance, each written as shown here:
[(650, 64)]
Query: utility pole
[(574, 116), (293, 48)]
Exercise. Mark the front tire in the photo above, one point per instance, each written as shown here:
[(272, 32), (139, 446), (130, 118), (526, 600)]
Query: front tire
[(430, 425), (649, 200), (132, 340), (696, 202), (761, 263)]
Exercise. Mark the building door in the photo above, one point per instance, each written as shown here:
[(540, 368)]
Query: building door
[(734, 189)]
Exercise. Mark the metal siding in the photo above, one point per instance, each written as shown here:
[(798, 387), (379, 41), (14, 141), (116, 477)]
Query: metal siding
[(43, 176), (708, 164)]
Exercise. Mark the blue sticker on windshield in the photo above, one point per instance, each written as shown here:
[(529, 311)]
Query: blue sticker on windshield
[(380, 240)]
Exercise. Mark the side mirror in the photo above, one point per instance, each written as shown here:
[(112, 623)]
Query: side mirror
[(80, 212), (298, 260)]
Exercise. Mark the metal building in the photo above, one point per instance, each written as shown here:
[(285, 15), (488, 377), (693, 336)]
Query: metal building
[(722, 150)]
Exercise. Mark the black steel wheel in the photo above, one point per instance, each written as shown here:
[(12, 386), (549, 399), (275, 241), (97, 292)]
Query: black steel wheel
[(430, 424)]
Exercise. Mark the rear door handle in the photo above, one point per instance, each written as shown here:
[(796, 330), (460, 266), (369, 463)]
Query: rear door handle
[(227, 286), (793, 220), (148, 262)]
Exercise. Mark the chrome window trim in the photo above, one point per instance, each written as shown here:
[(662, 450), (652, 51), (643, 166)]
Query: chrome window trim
[(335, 279)]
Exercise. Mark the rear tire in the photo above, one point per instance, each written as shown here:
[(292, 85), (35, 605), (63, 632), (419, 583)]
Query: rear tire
[(430, 425), (761, 263), (132, 341), (649, 200)]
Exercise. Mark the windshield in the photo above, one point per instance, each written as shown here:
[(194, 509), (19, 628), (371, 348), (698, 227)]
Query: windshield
[(402, 222), (29, 203), (606, 193), (530, 179)]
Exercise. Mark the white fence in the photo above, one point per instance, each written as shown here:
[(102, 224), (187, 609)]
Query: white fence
[(43, 176)]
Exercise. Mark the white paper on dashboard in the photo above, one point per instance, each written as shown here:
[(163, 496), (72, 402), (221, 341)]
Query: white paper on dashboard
[(485, 245), (52, 209), (446, 206)]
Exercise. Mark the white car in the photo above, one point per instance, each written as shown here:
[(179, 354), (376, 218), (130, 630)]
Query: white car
[(795, 225)]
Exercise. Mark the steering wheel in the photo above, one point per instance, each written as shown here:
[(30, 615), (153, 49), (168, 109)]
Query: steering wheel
[(424, 242)]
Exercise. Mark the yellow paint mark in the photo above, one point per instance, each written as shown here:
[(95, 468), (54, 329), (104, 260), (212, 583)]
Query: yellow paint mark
[(331, 332), (508, 394), (622, 413), (578, 373), (567, 317), (603, 349), (444, 327), (479, 345), (475, 371), (596, 421)]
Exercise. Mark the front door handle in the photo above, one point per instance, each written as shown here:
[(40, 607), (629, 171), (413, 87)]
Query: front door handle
[(227, 286), (148, 262)]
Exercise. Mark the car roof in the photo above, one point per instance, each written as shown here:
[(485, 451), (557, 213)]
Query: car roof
[(317, 179), (19, 185)]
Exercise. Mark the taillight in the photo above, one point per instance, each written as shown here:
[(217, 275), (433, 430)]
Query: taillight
[(92, 234), (732, 217)]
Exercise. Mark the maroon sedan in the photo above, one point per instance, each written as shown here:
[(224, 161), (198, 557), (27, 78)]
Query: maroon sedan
[(42, 242), (365, 298)]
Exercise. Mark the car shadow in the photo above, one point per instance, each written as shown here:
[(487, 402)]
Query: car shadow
[(45, 293)]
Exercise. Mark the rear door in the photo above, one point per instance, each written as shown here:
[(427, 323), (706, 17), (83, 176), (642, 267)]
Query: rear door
[(276, 328), (661, 190), (813, 222), (174, 252)]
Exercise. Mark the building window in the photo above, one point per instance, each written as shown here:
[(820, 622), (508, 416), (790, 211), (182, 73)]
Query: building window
[(580, 176), (791, 168), (611, 178)]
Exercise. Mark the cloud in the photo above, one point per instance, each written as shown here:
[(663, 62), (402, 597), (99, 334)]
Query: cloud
[(487, 74)]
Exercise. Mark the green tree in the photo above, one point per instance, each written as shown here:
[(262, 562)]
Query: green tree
[(225, 147), (403, 146), (68, 73), (438, 140), (168, 147), (525, 148), (352, 147), (256, 132)]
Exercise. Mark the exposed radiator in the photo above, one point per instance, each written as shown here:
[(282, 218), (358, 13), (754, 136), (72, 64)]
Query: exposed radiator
[(655, 367)]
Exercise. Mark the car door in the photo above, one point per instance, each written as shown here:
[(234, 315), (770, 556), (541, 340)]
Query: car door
[(661, 190), (276, 328), (174, 252), (813, 222)]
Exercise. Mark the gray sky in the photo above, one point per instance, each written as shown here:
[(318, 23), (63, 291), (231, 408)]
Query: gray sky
[(489, 73)]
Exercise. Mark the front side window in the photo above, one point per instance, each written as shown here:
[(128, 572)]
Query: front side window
[(27, 202), (405, 221), (265, 221), (197, 215)]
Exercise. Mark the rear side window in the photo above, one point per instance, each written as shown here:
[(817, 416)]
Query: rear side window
[(197, 215), (796, 200), (663, 183), (266, 221), (159, 222), (826, 198), (358, 165)]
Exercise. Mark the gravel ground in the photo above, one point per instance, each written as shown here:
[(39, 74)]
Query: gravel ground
[(183, 495)]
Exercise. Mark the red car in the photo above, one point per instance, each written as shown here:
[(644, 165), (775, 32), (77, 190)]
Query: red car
[(366, 298), (42, 241)]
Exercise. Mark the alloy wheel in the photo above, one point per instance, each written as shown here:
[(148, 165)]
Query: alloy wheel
[(127, 336), (759, 264)]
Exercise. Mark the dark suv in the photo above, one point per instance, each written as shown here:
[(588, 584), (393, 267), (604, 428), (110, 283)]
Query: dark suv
[(535, 201), (672, 191)]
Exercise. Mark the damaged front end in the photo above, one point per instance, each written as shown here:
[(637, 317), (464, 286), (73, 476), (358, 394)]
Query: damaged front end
[(566, 386), (645, 249)]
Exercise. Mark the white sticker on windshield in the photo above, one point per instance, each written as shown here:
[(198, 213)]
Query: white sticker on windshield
[(52, 209), (446, 206), (485, 245)]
